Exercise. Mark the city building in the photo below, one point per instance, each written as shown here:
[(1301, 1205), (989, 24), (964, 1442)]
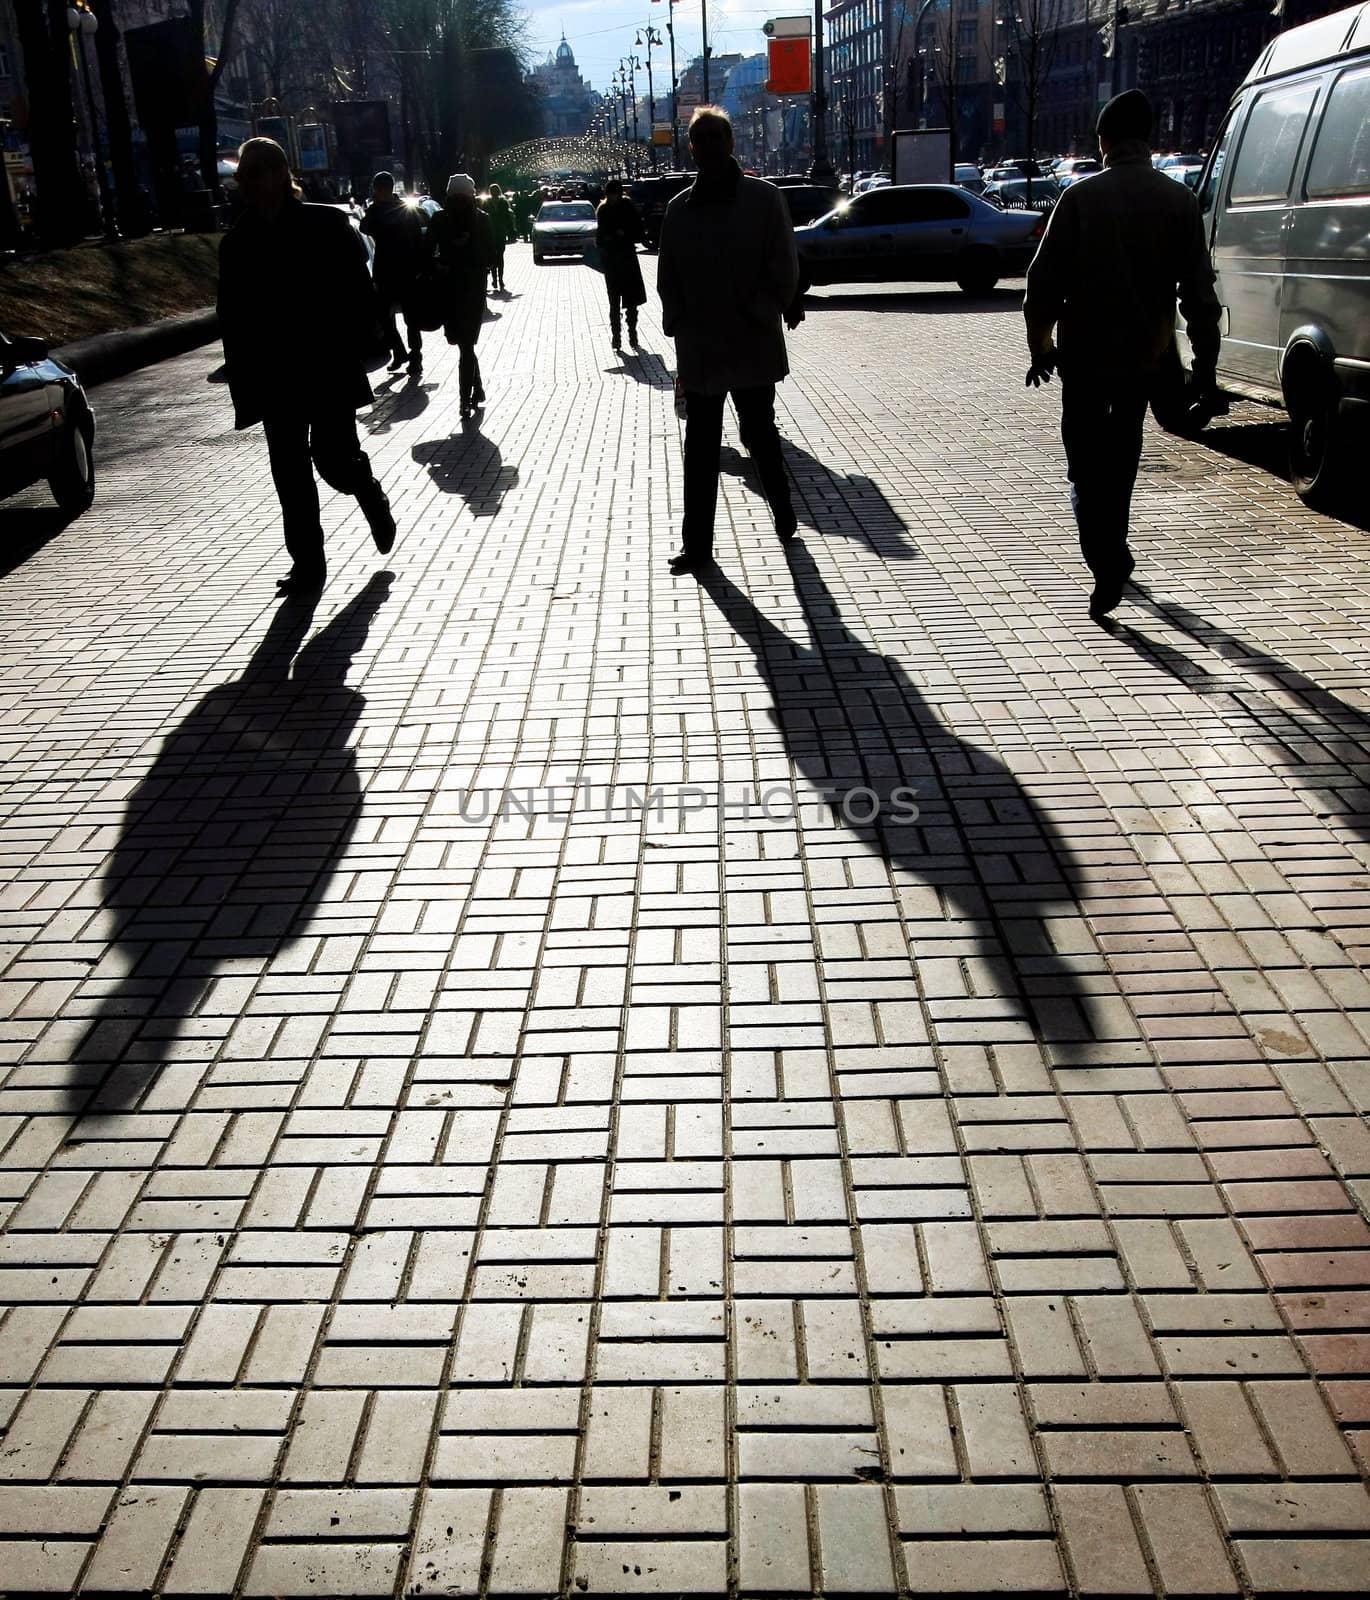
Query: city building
[(568, 102)]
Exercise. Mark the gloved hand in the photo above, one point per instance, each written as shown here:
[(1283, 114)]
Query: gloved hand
[(1204, 398), (1041, 370)]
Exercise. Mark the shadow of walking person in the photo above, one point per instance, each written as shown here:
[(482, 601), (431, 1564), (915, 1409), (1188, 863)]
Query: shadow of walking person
[(228, 843), (979, 870), (845, 505), (468, 463)]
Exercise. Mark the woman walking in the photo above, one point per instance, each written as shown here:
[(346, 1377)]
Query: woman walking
[(618, 233), (463, 247)]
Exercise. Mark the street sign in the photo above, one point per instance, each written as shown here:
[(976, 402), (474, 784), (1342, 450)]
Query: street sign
[(661, 133), (789, 66), (787, 28)]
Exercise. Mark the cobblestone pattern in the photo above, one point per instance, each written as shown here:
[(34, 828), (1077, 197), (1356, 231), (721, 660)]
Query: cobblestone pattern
[(716, 1195)]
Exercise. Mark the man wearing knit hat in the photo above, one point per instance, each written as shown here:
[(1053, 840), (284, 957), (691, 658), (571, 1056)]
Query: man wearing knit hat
[(1121, 248)]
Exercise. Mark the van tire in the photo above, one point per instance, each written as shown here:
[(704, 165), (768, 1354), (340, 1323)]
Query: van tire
[(1319, 450), (73, 478)]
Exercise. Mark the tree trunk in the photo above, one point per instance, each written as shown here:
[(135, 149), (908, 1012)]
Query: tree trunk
[(61, 205), (132, 205)]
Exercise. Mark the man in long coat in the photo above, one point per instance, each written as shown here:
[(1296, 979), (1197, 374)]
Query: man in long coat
[(296, 312), (727, 274)]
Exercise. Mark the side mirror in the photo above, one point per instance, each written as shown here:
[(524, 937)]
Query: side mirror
[(20, 351)]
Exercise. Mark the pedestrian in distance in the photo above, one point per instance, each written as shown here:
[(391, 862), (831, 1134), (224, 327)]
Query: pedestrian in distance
[(502, 228), (1123, 245), (298, 316), (463, 247), (727, 274), (396, 229), (618, 232)]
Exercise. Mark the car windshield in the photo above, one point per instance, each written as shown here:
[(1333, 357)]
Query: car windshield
[(570, 211)]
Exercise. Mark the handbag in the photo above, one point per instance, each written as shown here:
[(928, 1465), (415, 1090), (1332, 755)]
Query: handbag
[(424, 304)]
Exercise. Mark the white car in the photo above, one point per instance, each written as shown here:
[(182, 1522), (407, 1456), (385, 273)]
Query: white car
[(563, 228)]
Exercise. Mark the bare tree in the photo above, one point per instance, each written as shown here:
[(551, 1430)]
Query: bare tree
[(1034, 30), (948, 61)]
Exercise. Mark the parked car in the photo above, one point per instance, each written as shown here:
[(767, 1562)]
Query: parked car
[(1012, 194), (1016, 167), (809, 201), (966, 175), (1075, 167), (651, 197), (876, 180), (926, 232), (563, 228), (1286, 198), (1164, 161), (47, 429)]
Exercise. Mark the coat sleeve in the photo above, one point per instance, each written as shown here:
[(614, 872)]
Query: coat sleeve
[(669, 284), (779, 263), (1049, 275), (1199, 305)]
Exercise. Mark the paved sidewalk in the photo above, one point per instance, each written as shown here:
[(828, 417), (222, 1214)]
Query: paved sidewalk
[(484, 1111)]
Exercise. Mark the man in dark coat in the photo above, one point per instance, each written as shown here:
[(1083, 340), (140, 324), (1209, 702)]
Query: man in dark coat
[(501, 216), (1121, 247), (296, 312), (727, 274), (397, 231), (618, 232)]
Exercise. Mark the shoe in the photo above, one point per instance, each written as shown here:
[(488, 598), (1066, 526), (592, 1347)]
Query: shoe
[(1108, 592), (686, 562), (297, 585), (396, 362), (375, 504), (786, 527)]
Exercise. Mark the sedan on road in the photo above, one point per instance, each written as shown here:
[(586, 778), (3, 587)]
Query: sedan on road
[(918, 233), (47, 429), (563, 228)]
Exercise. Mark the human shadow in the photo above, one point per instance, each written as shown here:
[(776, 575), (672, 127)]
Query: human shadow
[(400, 404), (644, 366), (1287, 708), (24, 530), (227, 844), (468, 463), (979, 868), (844, 505)]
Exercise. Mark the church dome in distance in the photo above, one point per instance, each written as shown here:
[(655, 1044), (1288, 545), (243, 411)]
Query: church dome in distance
[(565, 55)]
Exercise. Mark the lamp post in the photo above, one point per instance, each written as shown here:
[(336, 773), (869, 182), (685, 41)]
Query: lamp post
[(821, 170), (82, 23), (675, 110), (634, 67), (653, 38), (704, 41)]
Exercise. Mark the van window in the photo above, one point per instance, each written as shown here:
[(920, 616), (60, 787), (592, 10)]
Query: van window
[(1217, 161), (1270, 145), (1341, 157)]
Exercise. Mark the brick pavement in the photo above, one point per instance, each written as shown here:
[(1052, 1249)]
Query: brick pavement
[(717, 1195)]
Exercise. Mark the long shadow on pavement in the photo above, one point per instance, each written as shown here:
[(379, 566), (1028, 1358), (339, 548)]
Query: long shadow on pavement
[(24, 530), (996, 866), (229, 842), (468, 463), (848, 505)]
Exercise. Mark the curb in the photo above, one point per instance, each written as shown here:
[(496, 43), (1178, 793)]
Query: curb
[(110, 355)]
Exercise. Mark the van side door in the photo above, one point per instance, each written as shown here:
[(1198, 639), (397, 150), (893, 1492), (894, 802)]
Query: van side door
[(1327, 279), (1248, 239)]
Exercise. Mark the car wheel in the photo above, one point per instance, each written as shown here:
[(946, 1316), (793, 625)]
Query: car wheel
[(537, 258), (1319, 450), (73, 480)]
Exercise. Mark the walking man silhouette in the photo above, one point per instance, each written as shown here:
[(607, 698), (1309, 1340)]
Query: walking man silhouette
[(1121, 247)]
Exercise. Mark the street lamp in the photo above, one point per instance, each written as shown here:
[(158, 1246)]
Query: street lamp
[(82, 23), (634, 67), (653, 38)]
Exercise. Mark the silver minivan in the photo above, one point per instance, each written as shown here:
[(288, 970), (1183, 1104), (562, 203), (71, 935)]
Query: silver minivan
[(1286, 200)]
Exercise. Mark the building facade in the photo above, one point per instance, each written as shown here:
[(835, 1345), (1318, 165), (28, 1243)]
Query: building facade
[(568, 102)]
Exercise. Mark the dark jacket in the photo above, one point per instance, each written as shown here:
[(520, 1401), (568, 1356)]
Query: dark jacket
[(501, 215), (397, 231), (727, 272), (1121, 247), (463, 248), (297, 311), (618, 232)]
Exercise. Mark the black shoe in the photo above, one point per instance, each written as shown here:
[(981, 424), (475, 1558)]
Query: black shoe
[(1108, 591), (375, 506), (687, 562), (298, 585), (396, 362), (786, 526)]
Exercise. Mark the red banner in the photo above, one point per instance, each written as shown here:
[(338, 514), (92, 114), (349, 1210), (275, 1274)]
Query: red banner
[(789, 66)]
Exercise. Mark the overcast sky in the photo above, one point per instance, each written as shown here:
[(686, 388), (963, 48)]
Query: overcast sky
[(601, 32)]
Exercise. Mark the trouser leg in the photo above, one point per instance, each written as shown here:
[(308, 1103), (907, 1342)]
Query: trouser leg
[(1101, 428), (466, 373), (630, 311), (615, 323), (287, 443), (338, 456), (703, 440), (756, 424), (414, 334)]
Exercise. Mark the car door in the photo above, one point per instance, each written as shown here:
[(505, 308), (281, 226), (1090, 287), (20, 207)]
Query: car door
[(28, 428), (855, 241), (930, 232), (1248, 242)]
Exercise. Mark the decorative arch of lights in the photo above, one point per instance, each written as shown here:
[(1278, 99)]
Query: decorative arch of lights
[(542, 158)]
